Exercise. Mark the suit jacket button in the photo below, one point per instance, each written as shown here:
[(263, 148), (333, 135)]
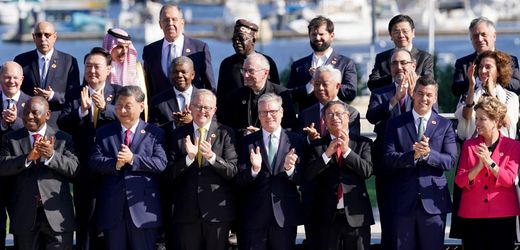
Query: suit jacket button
[(485, 200), (199, 173), (485, 187), (486, 174)]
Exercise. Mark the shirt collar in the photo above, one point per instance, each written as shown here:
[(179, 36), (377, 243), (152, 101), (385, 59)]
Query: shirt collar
[(132, 129), (276, 133), (206, 127), (47, 57), (416, 116), (16, 97), (179, 42), (326, 55), (187, 92), (91, 90), (322, 105), (41, 132)]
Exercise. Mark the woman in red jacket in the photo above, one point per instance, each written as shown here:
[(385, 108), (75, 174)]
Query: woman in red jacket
[(487, 170)]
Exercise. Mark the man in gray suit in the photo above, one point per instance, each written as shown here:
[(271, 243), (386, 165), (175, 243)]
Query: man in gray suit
[(40, 161)]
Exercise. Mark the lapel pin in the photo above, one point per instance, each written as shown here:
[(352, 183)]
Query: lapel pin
[(188, 50), (23, 104), (213, 135), (434, 122), (53, 66), (501, 154), (333, 61), (142, 131), (109, 98), (243, 101)]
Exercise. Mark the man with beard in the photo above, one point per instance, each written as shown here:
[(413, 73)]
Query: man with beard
[(230, 73), (402, 31), (321, 35)]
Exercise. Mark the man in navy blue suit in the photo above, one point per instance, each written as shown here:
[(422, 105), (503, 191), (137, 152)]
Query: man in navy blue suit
[(419, 148), (158, 55), (483, 37), (321, 35), (129, 155), (270, 168), (87, 108), (47, 71), (402, 32)]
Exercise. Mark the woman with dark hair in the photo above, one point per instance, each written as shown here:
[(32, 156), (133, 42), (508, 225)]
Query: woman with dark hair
[(486, 174)]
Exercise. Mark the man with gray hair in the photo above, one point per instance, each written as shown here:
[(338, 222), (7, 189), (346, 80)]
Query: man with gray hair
[(241, 110), (483, 37), (173, 104), (270, 165), (202, 161)]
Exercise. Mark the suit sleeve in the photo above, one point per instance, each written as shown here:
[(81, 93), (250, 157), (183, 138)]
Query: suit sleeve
[(156, 162), (273, 71), (427, 67), (465, 165), (514, 84), (460, 81), (207, 78), (289, 115), (446, 157), (64, 160), (296, 84), (349, 82), (377, 109), (394, 158), (72, 82), (244, 177), (360, 160), (10, 164), (226, 164), (377, 78), (69, 118), (100, 162)]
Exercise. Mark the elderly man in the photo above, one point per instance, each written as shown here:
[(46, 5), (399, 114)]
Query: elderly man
[(230, 72), (321, 35), (241, 110), (158, 56), (40, 161), (87, 108), (129, 155), (483, 38), (419, 147), (270, 169), (48, 72), (339, 164), (201, 164), (13, 101), (402, 32), (173, 104)]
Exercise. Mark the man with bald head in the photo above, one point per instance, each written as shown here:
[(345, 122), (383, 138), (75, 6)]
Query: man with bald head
[(40, 161), (158, 55), (483, 36), (13, 100), (48, 72)]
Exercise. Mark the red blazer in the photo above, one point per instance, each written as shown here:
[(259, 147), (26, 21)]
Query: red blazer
[(488, 196)]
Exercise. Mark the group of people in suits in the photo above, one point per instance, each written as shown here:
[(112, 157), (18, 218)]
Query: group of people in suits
[(256, 157)]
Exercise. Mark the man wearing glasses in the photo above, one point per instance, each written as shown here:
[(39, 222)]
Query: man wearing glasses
[(270, 167), (241, 108), (47, 71), (201, 164), (339, 164), (402, 31)]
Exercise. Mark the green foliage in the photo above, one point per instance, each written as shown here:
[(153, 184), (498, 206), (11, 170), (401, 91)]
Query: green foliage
[(444, 77)]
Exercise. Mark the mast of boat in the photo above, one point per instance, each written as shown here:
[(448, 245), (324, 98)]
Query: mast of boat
[(431, 27)]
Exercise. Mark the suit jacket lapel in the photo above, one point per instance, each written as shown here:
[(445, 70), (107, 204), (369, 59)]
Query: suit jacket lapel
[(333, 59), (212, 133), (51, 72), (283, 148), (36, 69), (172, 103), (25, 142), (259, 142), (431, 125), (410, 126), (140, 133)]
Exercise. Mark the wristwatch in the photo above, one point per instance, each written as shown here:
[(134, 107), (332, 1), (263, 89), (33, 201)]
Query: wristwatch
[(492, 165), (470, 105)]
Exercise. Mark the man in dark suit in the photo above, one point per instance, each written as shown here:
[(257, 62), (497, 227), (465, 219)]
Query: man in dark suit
[(402, 31), (321, 35), (13, 101), (387, 102), (241, 110), (419, 147), (230, 72), (339, 164), (86, 108), (201, 163), (270, 169), (327, 83), (483, 38), (129, 155), (157, 56), (173, 104), (40, 160), (47, 71)]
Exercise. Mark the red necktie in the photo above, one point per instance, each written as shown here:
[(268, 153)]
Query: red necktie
[(128, 133), (340, 161), (402, 105), (36, 137), (322, 126)]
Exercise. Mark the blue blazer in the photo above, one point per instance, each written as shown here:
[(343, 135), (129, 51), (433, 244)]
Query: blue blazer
[(196, 50), (300, 76), (271, 193), (134, 185), (424, 179)]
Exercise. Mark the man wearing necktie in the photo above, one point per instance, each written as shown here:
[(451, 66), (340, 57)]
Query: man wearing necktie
[(339, 164), (87, 108), (173, 104), (40, 161), (270, 166), (129, 155), (419, 148), (201, 165)]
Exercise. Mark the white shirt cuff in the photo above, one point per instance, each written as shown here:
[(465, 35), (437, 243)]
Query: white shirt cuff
[(290, 171), (51, 96), (309, 88), (81, 113), (253, 173), (189, 161)]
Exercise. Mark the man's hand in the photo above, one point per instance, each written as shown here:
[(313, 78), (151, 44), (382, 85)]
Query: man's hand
[(471, 76), (344, 140), (99, 99), (45, 147), (400, 93), (421, 148), (124, 156), (411, 79), (9, 116), (333, 146), (34, 154), (311, 132), (290, 160), (86, 100), (250, 130), (45, 93), (191, 148), (183, 117), (256, 159), (205, 148)]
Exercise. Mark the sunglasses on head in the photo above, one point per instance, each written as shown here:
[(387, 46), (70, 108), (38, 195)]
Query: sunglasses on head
[(40, 35)]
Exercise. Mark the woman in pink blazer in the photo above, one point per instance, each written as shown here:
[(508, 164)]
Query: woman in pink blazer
[(487, 170)]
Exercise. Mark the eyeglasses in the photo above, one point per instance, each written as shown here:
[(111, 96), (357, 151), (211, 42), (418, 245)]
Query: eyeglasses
[(202, 107), (331, 116), (40, 35), (268, 112), (404, 31), (402, 63), (317, 84), (250, 71), (173, 20)]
